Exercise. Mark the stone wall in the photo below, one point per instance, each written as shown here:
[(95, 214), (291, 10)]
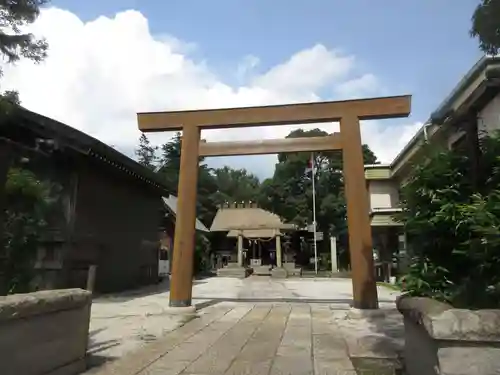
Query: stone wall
[(446, 341), (44, 332)]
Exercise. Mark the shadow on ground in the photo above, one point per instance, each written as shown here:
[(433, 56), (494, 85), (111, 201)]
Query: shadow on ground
[(150, 290), (375, 339), (346, 301), (95, 349)]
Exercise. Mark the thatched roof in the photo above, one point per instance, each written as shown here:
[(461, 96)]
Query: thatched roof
[(246, 218), (255, 233)]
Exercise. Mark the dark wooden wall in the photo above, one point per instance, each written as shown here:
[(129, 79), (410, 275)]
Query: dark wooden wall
[(116, 227)]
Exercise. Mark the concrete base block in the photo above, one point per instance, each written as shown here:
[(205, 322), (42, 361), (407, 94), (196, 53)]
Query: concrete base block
[(50, 328), (279, 273), (235, 272), (262, 270), (184, 310), (442, 340), (291, 269), (355, 313)]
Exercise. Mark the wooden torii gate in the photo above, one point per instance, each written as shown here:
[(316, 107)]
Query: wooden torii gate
[(348, 113)]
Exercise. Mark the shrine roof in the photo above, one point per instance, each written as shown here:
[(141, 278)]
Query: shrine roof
[(246, 217), (255, 233)]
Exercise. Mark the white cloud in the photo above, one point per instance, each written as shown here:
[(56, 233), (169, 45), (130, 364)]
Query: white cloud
[(307, 71), (246, 66), (355, 88), (100, 73)]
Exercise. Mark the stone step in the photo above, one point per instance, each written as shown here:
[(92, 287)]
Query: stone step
[(262, 270), (235, 272)]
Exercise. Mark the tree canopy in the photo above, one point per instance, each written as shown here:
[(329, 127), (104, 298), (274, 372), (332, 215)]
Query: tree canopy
[(146, 153), (237, 185), (16, 44), (289, 192), (486, 26)]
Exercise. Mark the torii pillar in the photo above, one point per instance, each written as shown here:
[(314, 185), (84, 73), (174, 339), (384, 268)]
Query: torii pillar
[(184, 240)]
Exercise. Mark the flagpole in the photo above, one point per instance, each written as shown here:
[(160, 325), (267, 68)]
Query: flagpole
[(314, 215)]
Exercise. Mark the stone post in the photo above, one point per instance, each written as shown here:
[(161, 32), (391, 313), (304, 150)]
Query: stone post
[(91, 277), (278, 251), (333, 250), (240, 250)]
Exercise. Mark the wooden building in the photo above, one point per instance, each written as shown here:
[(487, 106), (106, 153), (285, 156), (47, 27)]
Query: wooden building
[(167, 233), (109, 207), (251, 239)]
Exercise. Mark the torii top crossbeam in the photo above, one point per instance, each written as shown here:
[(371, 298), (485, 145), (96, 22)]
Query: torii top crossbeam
[(288, 114)]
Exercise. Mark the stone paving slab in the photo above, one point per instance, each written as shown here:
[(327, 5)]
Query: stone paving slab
[(244, 339), (283, 334), (124, 322), (250, 339)]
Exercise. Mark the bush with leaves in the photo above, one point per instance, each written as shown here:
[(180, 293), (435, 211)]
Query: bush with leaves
[(28, 202), (453, 227), (480, 284), (201, 251)]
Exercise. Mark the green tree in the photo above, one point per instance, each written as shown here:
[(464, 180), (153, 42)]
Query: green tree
[(235, 185), (169, 167), (486, 26), (289, 192), (146, 153), (170, 162), (16, 44)]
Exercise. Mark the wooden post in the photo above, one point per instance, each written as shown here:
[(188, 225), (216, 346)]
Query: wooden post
[(278, 251), (360, 238), (182, 262)]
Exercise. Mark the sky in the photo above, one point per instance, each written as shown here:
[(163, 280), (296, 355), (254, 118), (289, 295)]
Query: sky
[(110, 59)]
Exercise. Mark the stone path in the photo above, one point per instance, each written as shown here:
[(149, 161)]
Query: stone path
[(247, 339), (137, 324)]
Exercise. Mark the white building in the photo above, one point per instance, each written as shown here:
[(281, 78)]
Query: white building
[(473, 107)]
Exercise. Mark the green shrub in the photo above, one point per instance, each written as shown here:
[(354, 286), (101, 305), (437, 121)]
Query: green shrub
[(453, 228), (28, 201)]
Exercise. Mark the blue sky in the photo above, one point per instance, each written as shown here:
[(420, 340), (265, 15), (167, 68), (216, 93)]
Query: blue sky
[(110, 59), (420, 47)]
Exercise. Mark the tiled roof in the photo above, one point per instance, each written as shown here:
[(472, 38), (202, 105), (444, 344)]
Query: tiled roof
[(171, 203)]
